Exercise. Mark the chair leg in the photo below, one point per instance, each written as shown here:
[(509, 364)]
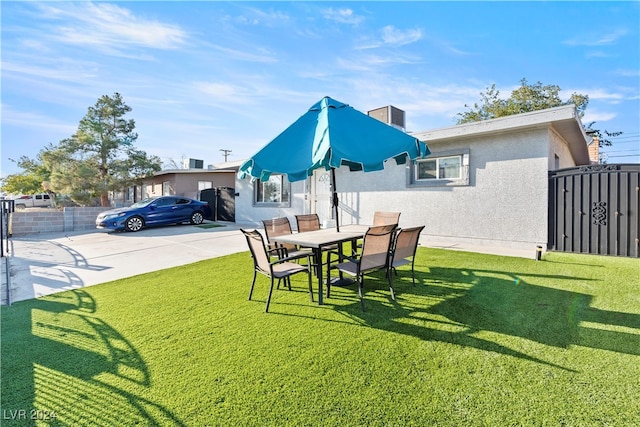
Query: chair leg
[(316, 264), (310, 285), (393, 295), (255, 273), (361, 291), (266, 310), (413, 272), (328, 274)]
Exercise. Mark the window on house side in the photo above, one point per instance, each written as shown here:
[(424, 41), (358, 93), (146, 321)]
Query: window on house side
[(203, 185), (275, 190), (449, 167)]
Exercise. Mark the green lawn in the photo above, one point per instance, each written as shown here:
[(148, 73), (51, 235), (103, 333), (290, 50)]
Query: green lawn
[(481, 340)]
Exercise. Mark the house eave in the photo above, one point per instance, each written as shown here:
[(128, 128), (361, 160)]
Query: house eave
[(193, 171), (564, 120)]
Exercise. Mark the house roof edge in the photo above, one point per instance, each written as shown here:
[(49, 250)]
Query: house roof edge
[(564, 120)]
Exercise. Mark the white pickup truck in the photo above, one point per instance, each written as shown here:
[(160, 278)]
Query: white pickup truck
[(33, 201)]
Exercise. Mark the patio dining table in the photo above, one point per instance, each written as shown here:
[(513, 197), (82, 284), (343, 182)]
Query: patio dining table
[(317, 240)]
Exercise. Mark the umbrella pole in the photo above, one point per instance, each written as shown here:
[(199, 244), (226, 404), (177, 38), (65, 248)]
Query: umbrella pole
[(334, 199)]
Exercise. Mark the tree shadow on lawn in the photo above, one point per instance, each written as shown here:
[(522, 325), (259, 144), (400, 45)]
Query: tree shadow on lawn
[(58, 357), (453, 305)]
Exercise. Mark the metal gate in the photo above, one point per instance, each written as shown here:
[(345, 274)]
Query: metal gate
[(7, 207), (222, 201), (594, 209)]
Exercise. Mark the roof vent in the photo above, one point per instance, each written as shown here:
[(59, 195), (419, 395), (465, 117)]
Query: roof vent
[(194, 164), (390, 115)]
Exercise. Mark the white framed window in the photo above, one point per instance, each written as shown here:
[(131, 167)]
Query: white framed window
[(276, 190), (449, 167), (203, 185)]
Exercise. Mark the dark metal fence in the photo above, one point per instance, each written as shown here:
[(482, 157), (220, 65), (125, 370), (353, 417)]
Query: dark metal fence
[(222, 202), (595, 209), (6, 208)]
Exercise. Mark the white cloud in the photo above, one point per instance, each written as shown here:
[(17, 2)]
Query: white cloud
[(223, 92), (258, 55), (600, 39), (391, 36), (342, 16), (110, 27), (592, 115), (254, 16), (395, 37), (14, 117), (595, 94), (65, 69), (628, 72), (372, 63), (596, 54)]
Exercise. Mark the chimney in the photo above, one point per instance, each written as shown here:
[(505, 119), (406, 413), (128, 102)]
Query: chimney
[(594, 150)]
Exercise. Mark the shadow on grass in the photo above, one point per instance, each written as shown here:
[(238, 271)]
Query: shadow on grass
[(61, 361), (455, 305)]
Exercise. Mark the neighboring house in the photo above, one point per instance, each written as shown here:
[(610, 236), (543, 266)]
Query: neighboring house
[(187, 182), (485, 183)]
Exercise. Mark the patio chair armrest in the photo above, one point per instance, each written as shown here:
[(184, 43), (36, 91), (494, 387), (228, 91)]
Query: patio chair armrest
[(344, 258), (355, 259), (279, 251), (290, 258)]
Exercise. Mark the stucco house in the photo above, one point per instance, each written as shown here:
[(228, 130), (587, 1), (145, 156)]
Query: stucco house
[(187, 182), (485, 183)]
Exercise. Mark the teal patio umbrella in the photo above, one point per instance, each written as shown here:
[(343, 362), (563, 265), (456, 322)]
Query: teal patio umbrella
[(332, 134)]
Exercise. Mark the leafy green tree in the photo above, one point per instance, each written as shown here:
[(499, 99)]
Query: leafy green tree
[(529, 98), (100, 157), (33, 179), (75, 178)]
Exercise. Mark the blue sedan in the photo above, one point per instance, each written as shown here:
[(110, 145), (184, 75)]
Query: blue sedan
[(155, 211)]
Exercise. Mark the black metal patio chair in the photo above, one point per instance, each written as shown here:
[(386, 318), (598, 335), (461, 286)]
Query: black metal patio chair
[(280, 268), (404, 250), (375, 255)]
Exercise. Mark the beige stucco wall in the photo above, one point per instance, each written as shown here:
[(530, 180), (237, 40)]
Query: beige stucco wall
[(250, 214), (186, 183), (504, 204), (558, 147)]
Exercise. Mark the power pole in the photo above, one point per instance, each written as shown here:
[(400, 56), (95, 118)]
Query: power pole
[(225, 153)]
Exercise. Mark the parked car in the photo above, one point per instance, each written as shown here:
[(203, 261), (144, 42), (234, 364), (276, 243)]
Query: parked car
[(33, 201), (162, 210)]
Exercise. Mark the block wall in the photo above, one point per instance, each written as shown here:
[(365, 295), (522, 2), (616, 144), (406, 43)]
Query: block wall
[(38, 221)]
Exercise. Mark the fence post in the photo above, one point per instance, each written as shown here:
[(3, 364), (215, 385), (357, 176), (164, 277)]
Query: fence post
[(6, 208)]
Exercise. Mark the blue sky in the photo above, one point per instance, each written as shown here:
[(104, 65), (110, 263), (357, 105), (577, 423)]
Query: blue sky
[(206, 76)]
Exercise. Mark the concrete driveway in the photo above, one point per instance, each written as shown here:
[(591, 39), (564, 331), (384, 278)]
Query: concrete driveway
[(44, 264)]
